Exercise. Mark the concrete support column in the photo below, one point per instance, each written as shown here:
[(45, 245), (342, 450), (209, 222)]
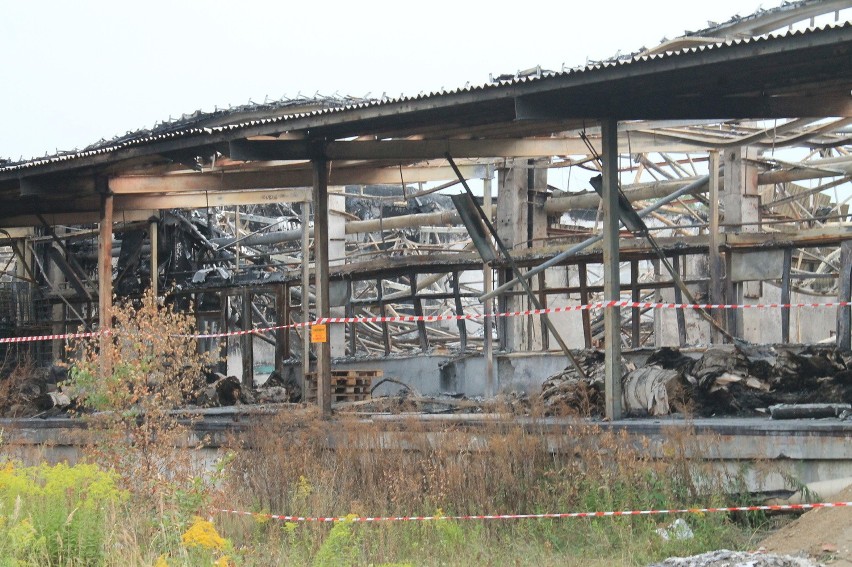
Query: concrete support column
[(337, 257), (487, 286), (521, 223), (611, 273), (536, 198), (714, 258), (741, 204), (320, 195), (740, 199), (511, 221)]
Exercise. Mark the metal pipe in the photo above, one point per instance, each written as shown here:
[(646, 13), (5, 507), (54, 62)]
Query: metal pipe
[(561, 257), (403, 221), (816, 169), (636, 192), (260, 239)]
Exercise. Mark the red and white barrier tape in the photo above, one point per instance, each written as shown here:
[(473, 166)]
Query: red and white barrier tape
[(472, 316), (48, 337), (373, 519)]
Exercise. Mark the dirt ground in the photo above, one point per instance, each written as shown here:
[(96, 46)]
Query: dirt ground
[(818, 537), (824, 534)]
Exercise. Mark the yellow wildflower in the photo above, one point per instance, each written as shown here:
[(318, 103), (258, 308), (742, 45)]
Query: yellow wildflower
[(203, 534), (161, 562)]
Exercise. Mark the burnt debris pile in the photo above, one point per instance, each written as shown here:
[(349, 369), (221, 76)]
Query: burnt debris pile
[(723, 380)]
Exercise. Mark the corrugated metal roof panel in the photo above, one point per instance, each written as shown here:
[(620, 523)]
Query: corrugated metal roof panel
[(183, 128)]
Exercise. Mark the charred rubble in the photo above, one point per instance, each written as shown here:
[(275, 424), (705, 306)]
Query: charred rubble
[(725, 380)]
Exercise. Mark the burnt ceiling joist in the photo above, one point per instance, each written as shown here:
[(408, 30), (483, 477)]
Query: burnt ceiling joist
[(279, 178), (249, 150)]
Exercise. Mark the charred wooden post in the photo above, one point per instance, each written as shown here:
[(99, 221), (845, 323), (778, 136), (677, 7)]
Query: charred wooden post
[(462, 324), (247, 340), (658, 297), (503, 276), (583, 275), (844, 294), (105, 279), (417, 303), (152, 236), (678, 298), (542, 298), (635, 338), (320, 197), (733, 319), (383, 313), (785, 294), (222, 365), (282, 334), (350, 313)]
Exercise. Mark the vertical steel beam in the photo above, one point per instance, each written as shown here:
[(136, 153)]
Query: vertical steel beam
[(320, 195), (611, 271)]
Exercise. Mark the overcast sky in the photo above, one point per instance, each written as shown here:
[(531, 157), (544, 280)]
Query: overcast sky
[(76, 72)]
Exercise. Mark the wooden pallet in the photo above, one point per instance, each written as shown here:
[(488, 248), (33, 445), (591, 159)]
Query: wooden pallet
[(336, 374), (346, 385)]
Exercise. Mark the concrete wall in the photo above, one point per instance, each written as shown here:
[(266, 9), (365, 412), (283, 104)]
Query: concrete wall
[(432, 374)]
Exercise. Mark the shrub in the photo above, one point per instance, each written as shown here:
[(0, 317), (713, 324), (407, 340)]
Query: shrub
[(135, 379)]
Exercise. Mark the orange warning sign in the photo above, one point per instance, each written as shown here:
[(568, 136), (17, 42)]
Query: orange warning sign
[(319, 333)]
